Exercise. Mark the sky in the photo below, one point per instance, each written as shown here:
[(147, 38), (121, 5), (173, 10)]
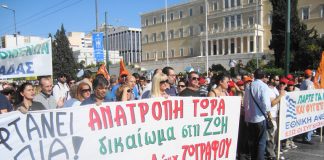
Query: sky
[(41, 17)]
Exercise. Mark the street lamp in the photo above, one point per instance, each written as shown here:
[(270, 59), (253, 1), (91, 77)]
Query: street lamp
[(14, 13)]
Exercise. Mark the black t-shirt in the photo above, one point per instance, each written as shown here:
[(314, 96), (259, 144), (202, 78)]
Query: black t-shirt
[(190, 93), (34, 107), (5, 105)]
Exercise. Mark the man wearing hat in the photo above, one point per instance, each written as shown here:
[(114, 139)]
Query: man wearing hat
[(61, 89), (307, 84)]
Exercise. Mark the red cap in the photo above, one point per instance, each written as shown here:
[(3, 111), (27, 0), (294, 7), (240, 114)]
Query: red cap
[(202, 81), (284, 80), (240, 83), (291, 83), (308, 72), (231, 84), (289, 76)]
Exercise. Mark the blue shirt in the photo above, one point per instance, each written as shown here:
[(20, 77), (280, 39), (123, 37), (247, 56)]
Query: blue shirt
[(112, 95), (5, 104), (92, 100), (261, 94), (172, 91)]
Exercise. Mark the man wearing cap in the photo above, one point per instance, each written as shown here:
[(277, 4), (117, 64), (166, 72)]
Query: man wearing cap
[(256, 104), (307, 84)]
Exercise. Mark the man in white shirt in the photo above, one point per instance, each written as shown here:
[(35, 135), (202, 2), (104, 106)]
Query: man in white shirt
[(61, 89)]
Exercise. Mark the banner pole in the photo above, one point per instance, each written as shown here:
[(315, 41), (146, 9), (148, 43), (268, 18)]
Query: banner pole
[(278, 129), (321, 134)]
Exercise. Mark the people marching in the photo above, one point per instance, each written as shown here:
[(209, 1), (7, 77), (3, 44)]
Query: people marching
[(261, 94)]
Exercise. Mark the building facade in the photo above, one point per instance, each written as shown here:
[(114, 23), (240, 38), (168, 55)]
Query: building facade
[(10, 41), (234, 27), (311, 12), (125, 40)]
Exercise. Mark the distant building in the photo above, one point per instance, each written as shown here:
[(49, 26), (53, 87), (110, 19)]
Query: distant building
[(311, 12), (234, 27), (81, 45), (9, 41), (126, 40)]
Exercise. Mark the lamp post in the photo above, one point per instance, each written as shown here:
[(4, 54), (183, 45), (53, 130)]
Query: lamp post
[(14, 13)]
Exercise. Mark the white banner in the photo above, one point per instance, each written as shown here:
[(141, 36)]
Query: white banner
[(30, 60), (300, 112), (177, 128)]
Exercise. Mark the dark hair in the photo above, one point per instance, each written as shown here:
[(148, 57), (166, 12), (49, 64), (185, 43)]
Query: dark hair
[(136, 75), (191, 73), (100, 80), (87, 74), (216, 79), (166, 70), (40, 78), (142, 78), (155, 72), (21, 88), (259, 74)]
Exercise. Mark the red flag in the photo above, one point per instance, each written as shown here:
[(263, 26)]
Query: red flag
[(320, 74), (102, 70), (122, 70)]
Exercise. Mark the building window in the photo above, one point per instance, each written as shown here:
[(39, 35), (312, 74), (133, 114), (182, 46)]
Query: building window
[(232, 46), (181, 32), (147, 56), (162, 35), (172, 53), (201, 10), (215, 27), (162, 18), (201, 27), (156, 56), (191, 31), (250, 1), (191, 52), (251, 44), (171, 16), (232, 21), (251, 20), (145, 39), (190, 12), (238, 20), (238, 3), (154, 37), (226, 3), (232, 3), (154, 20), (270, 19), (180, 14), (322, 11), (171, 32), (163, 54), (181, 52), (215, 5), (146, 22), (305, 13), (226, 22)]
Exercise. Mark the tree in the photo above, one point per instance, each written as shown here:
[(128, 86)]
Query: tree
[(301, 38), (63, 61)]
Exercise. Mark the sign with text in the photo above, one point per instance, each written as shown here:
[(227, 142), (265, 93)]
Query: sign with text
[(97, 43), (177, 128), (34, 59), (300, 112)]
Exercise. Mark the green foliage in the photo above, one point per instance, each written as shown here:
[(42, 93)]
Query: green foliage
[(218, 68), (251, 65), (63, 61), (274, 71), (91, 66)]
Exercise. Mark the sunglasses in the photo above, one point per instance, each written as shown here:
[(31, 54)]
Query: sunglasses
[(195, 78), (276, 79), (85, 90), (162, 82), (129, 90), (181, 86)]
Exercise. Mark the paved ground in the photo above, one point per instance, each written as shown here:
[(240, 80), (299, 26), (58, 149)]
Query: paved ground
[(306, 151)]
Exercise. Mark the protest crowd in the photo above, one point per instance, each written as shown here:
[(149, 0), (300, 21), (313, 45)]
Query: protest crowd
[(260, 92)]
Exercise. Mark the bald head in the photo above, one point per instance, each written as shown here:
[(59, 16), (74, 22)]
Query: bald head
[(131, 81)]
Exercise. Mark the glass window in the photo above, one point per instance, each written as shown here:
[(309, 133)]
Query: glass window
[(147, 56), (146, 22), (172, 53), (191, 51), (238, 3), (201, 27), (180, 14), (181, 52), (250, 1), (171, 34), (190, 12), (201, 9), (163, 54), (226, 22), (191, 30), (322, 11), (145, 38), (162, 18), (215, 6), (154, 37), (226, 3), (232, 3), (215, 27), (180, 32), (154, 20), (238, 20), (251, 20), (270, 19), (171, 16), (232, 21), (305, 13), (162, 35)]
